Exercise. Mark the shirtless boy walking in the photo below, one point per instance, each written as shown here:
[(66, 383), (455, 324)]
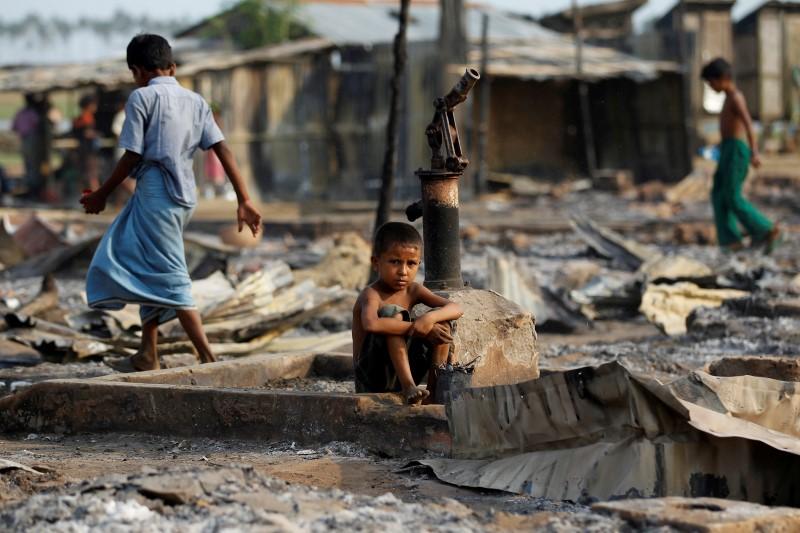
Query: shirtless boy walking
[(390, 352), (735, 158)]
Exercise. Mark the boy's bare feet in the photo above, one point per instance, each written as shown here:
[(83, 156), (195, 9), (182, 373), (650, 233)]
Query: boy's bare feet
[(208, 358), (142, 361), (414, 395), (772, 240), (193, 326)]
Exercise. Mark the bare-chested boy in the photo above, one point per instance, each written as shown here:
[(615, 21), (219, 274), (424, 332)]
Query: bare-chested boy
[(390, 352), (735, 158)]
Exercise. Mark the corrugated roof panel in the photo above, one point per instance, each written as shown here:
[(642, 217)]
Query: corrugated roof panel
[(543, 8), (554, 59), (744, 8), (374, 24), (652, 11)]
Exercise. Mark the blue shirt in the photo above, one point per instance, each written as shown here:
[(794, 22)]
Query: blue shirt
[(165, 124)]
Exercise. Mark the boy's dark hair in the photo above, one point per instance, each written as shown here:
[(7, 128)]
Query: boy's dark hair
[(149, 52), (393, 233), (716, 69)]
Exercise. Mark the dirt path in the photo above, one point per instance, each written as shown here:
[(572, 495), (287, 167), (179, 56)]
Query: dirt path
[(70, 462)]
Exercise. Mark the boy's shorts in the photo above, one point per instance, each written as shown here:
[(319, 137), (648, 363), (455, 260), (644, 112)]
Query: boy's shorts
[(374, 370)]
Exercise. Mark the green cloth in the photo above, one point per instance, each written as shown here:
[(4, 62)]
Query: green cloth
[(726, 196)]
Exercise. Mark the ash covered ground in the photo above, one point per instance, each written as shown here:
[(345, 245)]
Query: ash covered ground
[(589, 314)]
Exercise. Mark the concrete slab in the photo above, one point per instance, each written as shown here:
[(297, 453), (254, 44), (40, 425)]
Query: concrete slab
[(247, 372), (234, 398), (780, 368), (227, 399), (703, 514), (376, 421)]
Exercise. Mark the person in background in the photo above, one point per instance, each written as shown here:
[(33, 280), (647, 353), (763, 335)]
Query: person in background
[(129, 185), (26, 125), (738, 151), (48, 119), (84, 130)]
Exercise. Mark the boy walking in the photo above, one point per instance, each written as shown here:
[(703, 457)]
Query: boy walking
[(140, 259), (390, 352), (735, 158)]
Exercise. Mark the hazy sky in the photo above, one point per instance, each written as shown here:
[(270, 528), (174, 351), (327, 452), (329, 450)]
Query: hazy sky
[(71, 9), (196, 9), (200, 8)]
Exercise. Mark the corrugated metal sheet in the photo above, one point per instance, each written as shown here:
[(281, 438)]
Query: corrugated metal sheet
[(543, 8), (744, 8), (554, 58), (200, 61), (652, 11), (520, 49), (115, 73), (377, 23), (55, 77)]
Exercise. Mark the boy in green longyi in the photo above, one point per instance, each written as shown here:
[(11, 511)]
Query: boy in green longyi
[(730, 206)]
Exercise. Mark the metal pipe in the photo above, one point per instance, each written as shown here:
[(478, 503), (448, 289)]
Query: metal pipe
[(440, 226)]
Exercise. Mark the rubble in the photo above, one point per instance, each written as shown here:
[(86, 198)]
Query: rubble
[(587, 287), (239, 319), (702, 514), (505, 277), (624, 252), (674, 268), (10, 251), (5, 465), (36, 235), (696, 187), (212, 499), (668, 306), (347, 264), (610, 294), (778, 368)]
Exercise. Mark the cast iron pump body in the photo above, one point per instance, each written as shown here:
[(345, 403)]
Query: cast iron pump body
[(439, 204)]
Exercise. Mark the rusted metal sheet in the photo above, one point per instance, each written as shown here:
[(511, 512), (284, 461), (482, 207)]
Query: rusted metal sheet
[(605, 432)]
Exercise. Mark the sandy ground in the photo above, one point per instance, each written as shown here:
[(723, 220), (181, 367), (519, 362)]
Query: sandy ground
[(348, 479)]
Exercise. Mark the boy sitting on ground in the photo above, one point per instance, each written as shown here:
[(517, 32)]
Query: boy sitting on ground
[(390, 352)]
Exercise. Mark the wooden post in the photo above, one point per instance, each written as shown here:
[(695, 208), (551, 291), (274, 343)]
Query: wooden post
[(388, 171), (583, 91), (686, 62), (482, 173), (452, 40)]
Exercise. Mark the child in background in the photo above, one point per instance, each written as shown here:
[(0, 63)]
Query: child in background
[(738, 151)]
